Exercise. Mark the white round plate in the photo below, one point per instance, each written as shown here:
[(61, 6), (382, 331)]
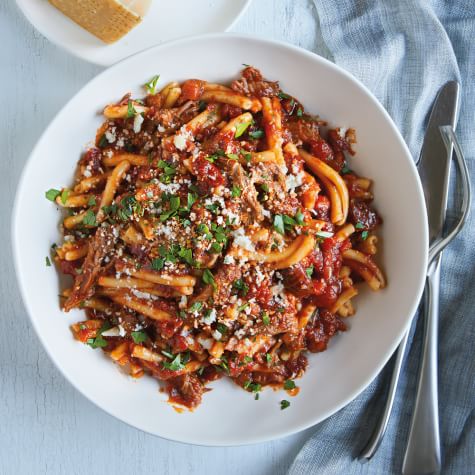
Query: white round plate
[(229, 415), (166, 20)]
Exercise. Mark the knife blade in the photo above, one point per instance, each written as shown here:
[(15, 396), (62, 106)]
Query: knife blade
[(423, 454), (434, 162)]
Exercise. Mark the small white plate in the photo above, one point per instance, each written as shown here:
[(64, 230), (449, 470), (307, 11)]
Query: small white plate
[(166, 20), (229, 415)]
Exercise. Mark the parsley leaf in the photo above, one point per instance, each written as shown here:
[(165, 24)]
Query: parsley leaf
[(208, 278), (151, 86), (92, 201), (223, 329), (241, 287), (103, 141), (175, 365), (283, 95), (196, 307), (284, 404), (232, 156), (345, 170), (139, 337), (299, 112), (265, 318), (364, 235), (52, 194), (241, 128), (89, 219), (158, 263), (256, 134), (98, 341), (65, 195), (359, 225), (289, 384), (130, 110), (279, 224), (309, 271), (48, 262), (268, 358), (236, 192)]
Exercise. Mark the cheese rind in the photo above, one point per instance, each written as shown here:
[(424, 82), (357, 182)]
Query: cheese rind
[(109, 20)]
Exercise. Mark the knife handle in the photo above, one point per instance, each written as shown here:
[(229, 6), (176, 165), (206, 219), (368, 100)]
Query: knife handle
[(423, 455)]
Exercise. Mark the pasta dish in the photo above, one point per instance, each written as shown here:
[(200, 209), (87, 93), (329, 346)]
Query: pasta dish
[(215, 231)]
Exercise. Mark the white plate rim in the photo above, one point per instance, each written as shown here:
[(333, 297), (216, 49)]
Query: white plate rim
[(390, 350), (74, 52)]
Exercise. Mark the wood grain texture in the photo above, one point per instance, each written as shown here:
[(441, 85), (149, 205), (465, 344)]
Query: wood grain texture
[(46, 426)]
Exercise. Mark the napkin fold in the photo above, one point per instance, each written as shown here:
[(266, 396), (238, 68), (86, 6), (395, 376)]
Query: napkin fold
[(404, 51)]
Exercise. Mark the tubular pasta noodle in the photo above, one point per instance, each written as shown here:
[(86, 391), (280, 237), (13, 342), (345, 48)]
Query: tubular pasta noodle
[(111, 186), (74, 201), (133, 159), (232, 98), (344, 297), (272, 114), (90, 183), (130, 301), (325, 172), (120, 112)]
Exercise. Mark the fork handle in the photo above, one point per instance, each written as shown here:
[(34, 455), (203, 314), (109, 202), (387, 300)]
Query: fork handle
[(423, 454), (380, 429)]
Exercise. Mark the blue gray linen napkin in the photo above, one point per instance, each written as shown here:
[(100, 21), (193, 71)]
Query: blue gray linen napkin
[(403, 51)]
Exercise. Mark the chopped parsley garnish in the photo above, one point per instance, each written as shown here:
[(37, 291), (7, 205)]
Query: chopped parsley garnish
[(284, 223), (131, 112), (284, 404), (52, 194), (345, 170), (236, 191), (283, 95), (201, 106), (92, 201), (98, 341), (103, 141), (64, 196), (232, 156), (174, 204), (178, 362), (139, 337), (289, 384), (299, 112), (151, 86), (223, 329), (48, 262), (241, 287), (186, 255), (213, 207), (128, 206), (256, 134), (309, 271), (247, 359), (241, 128), (247, 156), (364, 235), (158, 263), (215, 248), (212, 158), (359, 225), (265, 318), (268, 358), (208, 278), (196, 307), (168, 171), (256, 397), (89, 219), (252, 387), (243, 307)]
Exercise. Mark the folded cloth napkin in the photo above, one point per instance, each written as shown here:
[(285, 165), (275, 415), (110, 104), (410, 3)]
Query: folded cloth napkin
[(403, 51)]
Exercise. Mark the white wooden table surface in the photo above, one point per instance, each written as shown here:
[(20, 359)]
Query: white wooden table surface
[(46, 426)]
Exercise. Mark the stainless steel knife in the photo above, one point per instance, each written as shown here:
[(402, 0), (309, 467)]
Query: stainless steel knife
[(423, 454), (434, 168)]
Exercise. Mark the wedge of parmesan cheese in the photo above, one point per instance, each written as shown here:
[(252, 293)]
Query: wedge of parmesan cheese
[(109, 20)]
